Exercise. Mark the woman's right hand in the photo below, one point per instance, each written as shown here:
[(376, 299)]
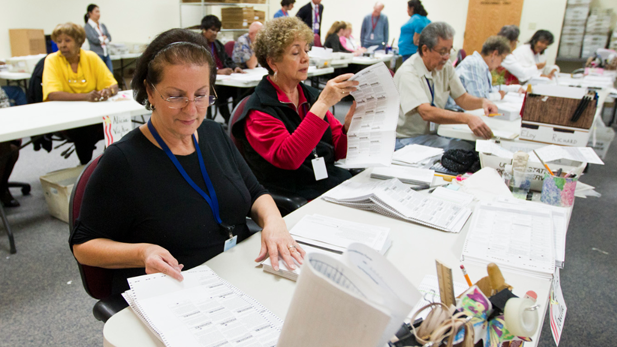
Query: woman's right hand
[(336, 89), (93, 96), (157, 259), (541, 66)]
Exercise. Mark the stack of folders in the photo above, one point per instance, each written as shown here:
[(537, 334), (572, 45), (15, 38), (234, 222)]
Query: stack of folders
[(408, 175), (202, 310), (332, 236), (395, 199), (417, 156), (518, 237)]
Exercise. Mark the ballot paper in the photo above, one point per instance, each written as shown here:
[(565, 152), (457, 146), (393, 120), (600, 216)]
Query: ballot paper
[(581, 154), (372, 132), (395, 199), (408, 175), (453, 196), (360, 300), (490, 147), (292, 274), (515, 237), (415, 155), (202, 310)]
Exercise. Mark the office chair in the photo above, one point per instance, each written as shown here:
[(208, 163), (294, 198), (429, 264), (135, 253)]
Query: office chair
[(317, 41), (285, 203), (96, 280), (229, 48)]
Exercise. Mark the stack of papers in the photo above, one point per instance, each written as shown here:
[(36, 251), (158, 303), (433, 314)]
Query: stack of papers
[(416, 155), (548, 153), (395, 199), (516, 237), (201, 310), (584, 190), (408, 175), (372, 132), (322, 234)]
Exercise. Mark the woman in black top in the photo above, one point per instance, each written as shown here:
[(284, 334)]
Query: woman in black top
[(333, 38), (139, 213)]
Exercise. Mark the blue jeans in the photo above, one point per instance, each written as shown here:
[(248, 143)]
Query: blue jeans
[(16, 95), (434, 141), (107, 61)]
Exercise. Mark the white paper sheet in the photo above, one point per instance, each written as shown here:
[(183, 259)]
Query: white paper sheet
[(581, 154), (415, 154), (202, 310), (453, 196), (490, 147), (409, 175), (372, 133)]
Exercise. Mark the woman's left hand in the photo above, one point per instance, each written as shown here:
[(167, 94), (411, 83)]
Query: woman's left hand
[(349, 116), (105, 94), (277, 243), (238, 70)]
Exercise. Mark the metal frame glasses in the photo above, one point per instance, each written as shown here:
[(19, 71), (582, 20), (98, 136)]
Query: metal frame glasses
[(180, 102)]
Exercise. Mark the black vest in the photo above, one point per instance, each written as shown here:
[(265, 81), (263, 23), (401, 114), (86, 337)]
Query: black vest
[(299, 182)]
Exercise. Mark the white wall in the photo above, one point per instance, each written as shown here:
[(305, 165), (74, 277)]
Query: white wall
[(127, 20), (537, 14)]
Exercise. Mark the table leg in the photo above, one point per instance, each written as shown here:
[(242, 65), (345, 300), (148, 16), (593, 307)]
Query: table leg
[(9, 233)]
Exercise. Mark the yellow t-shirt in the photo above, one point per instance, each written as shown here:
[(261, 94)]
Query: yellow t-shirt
[(92, 74)]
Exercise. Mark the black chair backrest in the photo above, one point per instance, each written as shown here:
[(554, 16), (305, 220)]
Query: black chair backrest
[(35, 87), (96, 280)]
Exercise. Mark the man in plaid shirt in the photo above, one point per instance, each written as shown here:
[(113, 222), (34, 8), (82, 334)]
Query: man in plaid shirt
[(243, 54)]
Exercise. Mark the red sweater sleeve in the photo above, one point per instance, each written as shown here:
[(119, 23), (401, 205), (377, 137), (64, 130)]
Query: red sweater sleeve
[(270, 139), (338, 138)]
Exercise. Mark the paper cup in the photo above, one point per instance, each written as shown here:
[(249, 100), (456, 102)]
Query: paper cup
[(558, 191)]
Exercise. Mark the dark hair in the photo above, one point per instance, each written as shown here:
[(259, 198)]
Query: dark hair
[(89, 9), (287, 2), (417, 6), (211, 21), (172, 47), (496, 43), (431, 34), (510, 32), (541, 35)]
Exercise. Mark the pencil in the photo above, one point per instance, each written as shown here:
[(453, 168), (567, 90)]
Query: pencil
[(543, 163), (466, 276), (495, 114), (447, 178)]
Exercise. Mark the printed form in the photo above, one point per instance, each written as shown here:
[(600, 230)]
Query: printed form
[(372, 132)]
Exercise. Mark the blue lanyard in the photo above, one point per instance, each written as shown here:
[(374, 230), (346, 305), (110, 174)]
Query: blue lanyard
[(432, 92), (211, 200)]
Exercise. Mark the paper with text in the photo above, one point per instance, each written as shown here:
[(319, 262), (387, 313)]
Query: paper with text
[(558, 308), (116, 126)]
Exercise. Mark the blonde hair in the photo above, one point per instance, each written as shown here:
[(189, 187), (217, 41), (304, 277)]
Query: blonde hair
[(336, 26), (278, 34), (73, 30)]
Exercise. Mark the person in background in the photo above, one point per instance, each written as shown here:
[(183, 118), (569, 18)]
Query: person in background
[(286, 6), (333, 37), (286, 129), (210, 27), (529, 61), (375, 28), (410, 31), (243, 53), (73, 74), (348, 42), (139, 214), (424, 82), (311, 15), (511, 33), (98, 35), (9, 151), (475, 72)]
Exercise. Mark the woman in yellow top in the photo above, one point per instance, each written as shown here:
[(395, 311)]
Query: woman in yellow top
[(72, 74)]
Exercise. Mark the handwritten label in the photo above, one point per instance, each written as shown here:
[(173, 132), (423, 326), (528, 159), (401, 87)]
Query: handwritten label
[(116, 126), (558, 307)]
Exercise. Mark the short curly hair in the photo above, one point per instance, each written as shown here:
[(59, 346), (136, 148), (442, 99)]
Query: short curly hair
[(73, 30), (276, 36)]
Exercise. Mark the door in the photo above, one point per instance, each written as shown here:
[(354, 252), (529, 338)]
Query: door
[(486, 17)]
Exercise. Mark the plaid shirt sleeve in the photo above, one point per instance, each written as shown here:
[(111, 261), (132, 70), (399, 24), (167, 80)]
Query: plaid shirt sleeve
[(475, 77), (242, 50)]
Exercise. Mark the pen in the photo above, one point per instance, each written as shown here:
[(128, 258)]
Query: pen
[(448, 178), (558, 173), (495, 114), (543, 163), (466, 275)]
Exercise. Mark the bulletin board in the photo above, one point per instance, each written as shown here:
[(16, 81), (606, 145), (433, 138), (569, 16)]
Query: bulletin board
[(486, 17)]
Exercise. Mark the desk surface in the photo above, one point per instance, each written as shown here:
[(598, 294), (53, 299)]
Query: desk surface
[(252, 77), (371, 61), (5, 75), (45, 117), (124, 56), (413, 252)]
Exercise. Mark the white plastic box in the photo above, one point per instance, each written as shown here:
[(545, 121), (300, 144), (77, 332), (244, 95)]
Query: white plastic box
[(58, 186), (554, 134), (24, 64), (577, 12)]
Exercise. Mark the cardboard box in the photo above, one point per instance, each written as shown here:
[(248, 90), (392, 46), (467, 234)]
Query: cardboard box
[(235, 25), (58, 186), (254, 1), (237, 14), (577, 12), (579, 2), (27, 42), (571, 29), (553, 134), (570, 50), (260, 16), (575, 22)]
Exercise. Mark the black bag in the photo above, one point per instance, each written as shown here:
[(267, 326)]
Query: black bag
[(461, 161)]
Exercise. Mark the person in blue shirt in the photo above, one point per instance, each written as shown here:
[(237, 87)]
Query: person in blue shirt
[(410, 31), (375, 28), (286, 6)]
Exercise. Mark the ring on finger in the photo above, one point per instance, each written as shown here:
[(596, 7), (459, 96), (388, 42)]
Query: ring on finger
[(291, 248)]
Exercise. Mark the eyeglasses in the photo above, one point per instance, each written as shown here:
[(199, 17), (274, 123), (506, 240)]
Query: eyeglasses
[(445, 52), (179, 102)]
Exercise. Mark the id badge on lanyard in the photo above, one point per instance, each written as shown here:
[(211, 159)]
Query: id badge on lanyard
[(319, 167), (433, 126), (211, 200)]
